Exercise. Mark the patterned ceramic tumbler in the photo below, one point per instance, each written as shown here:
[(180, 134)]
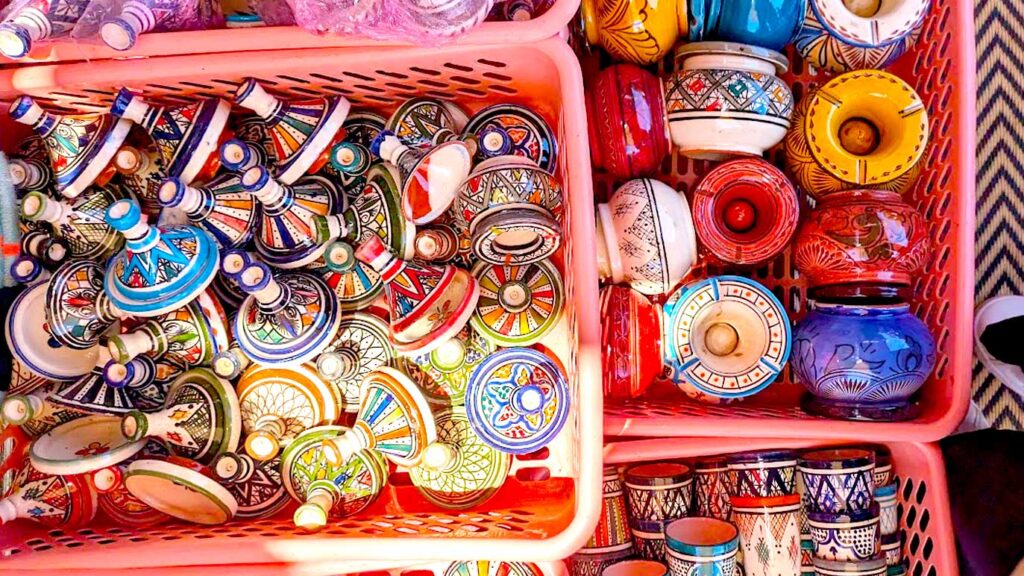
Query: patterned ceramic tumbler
[(887, 508), (766, 474), (701, 547), (611, 541), (659, 492), (837, 480), (636, 568), (852, 537), (769, 534), (712, 488)]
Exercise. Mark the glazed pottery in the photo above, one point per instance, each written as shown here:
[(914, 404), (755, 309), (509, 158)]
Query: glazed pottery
[(277, 404), (238, 155), (864, 129), (14, 444), (889, 517), (592, 562), (287, 319), (769, 534), (838, 36), (765, 474), (770, 24), (78, 311), (419, 121), (23, 380), (630, 342), (518, 305), (862, 238), (160, 269), (725, 337), (488, 568), (359, 346), (394, 419), (27, 270), (35, 348), (187, 136), (443, 373), (136, 17), (361, 128), (883, 467), (711, 488), (658, 493), (862, 362), (648, 541), (140, 171), (429, 303), (806, 550), (635, 568), (430, 177), (286, 234), (634, 31), (30, 173), (611, 540), (181, 488), (83, 445), (872, 567), (701, 546), (79, 223), (628, 128), (518, 400), (80, 146), (852, 537), (230, 363), (837, 481), (725, 99), (892, 548), (745, 212), (503, 129), (118, 504), (104, 390), (36, 21), (251, 131), (438, 243), (200, 419), (222, 208), (255, 485), (53, 501), (459, 471), (35, 412), (44, 248)]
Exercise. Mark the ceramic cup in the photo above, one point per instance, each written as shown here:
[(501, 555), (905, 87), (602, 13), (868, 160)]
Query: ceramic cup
[(701, 546), (612, 529), (658, 493), (593, 561), (851, 537), (806, 554), (648, 539), (872, 567), (892, 548), (711, 487), (765, 474), (769, 534), (888, 508), (837, 480), (635, 568), (770, 24), (883, 466)]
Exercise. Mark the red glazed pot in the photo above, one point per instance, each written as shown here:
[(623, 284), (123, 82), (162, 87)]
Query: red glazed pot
[(866, 237), (745, 211), (630, 342), (628, 127)]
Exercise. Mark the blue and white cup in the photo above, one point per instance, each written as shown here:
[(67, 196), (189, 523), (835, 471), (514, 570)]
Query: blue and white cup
[(853, 537), (888, 508), (892, 548), (838, 480), (700, 546), (765, 474), (871, 567)]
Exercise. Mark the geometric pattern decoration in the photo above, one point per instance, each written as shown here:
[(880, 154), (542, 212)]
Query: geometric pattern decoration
[(770, 539)]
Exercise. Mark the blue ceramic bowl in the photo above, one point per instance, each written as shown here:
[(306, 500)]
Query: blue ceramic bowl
[(770, 24)]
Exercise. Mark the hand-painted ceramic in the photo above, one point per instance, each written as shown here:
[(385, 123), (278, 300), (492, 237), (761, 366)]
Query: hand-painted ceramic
[(862, 362), (418, 120), (80, 146), (764, 474), (711, 488), (839, 36), (593, 562), (518, 400), (873, 567), (252, 140), (725, 100), (286, 234), (53, 501), (851, 537), (492, 568), (437, 243), (80, 222), (630, 342), (864, 129), (160, 269), (645, 237), (278, 404), (301, 130), (361, 128), (658, 493), (769, 534), (636, 568), (35, 412), (41, 245), (186, 136), (444, 373), (30, 173), (430, 177), (255, 485), (360, 345), (29, 340), (636, 31), (649, 542), (726, 336), (230, 363), (200, 419), (287, 319), (612, 531), (83, 445), (892, 548), (140, 171), (770, 24), (883, 466), (103, 390), (459, 470), (37, 22), (512, 129), (23, 380), (181, 488), (518, 305), (837, 481), (512, 210), (136, 17), (223, 208), (806, 551), (695, 546), (428, 303), (78, 312), (118, 504), (888, 506), (745, 211), (862, 237), (627, 123), (28, 270)]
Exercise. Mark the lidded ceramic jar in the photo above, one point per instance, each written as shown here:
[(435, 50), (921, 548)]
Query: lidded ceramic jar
[(634, 31), (770, 24)]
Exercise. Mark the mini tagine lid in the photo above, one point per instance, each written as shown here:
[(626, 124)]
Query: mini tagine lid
[(255, 485), (360, 346), (512, 129), (726, 336), (78, 312), (518, 400), (32, 345), (732, 49), (518, 305), (83, 445), (222, 207), (444, 372), (418, 120), (430, 176), (160, 269), (181, 488)]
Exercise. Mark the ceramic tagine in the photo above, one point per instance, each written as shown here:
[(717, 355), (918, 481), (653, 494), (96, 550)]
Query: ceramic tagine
[(512, 210), (34, 412), (630, 342), (725, 99), (42, 247), (30, 173), (78, 311), (634, 30), (35, 348), (422, 122), (255, 485), (78, 223), (54, 501), (430, 177), (37, 21), (14, 445), (136, 17), (80, 146), (645, 237), (140, 170), (182, 488), (725, 337), (239, 154), (504, 129), (351, 158), (863, 129), (443, 373), (222, 207), (229, 364), (518, 305), (437, 243), (119, 504), (360, 345)]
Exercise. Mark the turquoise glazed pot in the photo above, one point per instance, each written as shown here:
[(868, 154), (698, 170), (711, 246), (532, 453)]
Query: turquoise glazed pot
[(770, 24)]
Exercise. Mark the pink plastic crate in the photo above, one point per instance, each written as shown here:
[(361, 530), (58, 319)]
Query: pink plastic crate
[(551, 504), (929, 549), (941, 68)]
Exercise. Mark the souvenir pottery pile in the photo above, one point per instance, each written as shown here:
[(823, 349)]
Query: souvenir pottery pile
[(771, 513), (676, 255), (239, 309)]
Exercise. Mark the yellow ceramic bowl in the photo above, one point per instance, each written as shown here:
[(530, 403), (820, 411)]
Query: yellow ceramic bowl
[(637, 31)]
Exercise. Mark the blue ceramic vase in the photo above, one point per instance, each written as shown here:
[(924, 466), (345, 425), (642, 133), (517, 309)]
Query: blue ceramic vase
[(862, 362), (770, 24)]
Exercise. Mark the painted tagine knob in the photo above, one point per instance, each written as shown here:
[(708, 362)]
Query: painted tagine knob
[(630, 342), (26, 269), (504, 129), (443, 373), (418, 121), (438, 243), (360, 346), (30, 173), (222, 207), (137, 17), (35, 412), (229, 364), (645, 237), (238, 155), (79, 223), (54, 501), (255, 485), (42, 246), (31, 23), (633, 30), (518, 305), (140, 171)]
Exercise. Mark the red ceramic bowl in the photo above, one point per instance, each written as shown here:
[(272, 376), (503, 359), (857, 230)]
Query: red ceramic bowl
[(630, 342)]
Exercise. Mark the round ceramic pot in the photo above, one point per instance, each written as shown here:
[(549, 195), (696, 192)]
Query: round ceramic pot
[(769, 530), (701, 546), (745, 212), (864, 238), (862, 362), (628, 128), (725, 100), (658, 493), (892, 548), (852, 537), (634, 31), (873, 567), (767, 474), (645, 237), (888, 512), (770, 24), (630, 342), (839, 35), (635, 568), (837, 481), (864, 129), (711, 487)]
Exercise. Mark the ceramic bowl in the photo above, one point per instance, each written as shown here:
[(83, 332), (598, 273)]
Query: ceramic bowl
[(701, 546), (634, 31), (770, 24), (630, 342), (852, 537), (873, 567), (635, 568), (837, 480), (892, 548)]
